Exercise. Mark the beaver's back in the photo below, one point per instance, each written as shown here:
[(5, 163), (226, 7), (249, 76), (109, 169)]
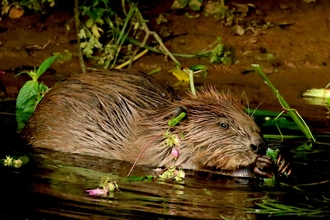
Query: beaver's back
[(93, 113)]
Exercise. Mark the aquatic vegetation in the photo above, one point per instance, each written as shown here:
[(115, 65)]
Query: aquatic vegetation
[(15, 9), (318, 96), (106, 188), (172, 173), (286, 108), (16, 163), (272, 207)]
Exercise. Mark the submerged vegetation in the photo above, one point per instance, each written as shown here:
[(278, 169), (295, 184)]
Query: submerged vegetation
[(272, 207)]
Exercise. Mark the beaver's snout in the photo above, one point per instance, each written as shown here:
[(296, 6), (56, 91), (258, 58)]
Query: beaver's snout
[(258, 145)]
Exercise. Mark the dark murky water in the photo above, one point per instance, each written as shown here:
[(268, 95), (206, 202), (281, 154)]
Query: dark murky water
[(52, 186)]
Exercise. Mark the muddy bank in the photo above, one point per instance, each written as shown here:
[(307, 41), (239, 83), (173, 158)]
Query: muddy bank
[(288, 39)]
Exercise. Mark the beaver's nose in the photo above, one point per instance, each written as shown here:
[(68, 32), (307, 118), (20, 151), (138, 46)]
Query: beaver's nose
[(258, 146)]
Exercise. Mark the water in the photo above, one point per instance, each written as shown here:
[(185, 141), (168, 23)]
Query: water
[(52, 186)]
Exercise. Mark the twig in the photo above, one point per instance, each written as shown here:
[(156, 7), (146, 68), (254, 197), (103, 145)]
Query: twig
[(130, 61), (77, 22), (143, 149), (156, 36), (36, 47)]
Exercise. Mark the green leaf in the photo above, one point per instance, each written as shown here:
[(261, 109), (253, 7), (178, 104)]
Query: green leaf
[(178, 4), (139, 178), (30, 73), (30, 89), (21, 118), (198, 67), (25, 159), (195, 5), (272, 154), (183, 3), (135, 178), (82, 34), (45, 65), (89, 23)]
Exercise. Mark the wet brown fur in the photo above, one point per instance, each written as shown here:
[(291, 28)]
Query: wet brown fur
[(115, 114)]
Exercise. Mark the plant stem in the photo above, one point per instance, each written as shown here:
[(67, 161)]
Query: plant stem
[(192, 85), (293, 113), (77, 23), (122, 35), (134, 58), (156, 36), (141, 152)]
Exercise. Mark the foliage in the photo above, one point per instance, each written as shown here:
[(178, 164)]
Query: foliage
[(218, 10), (219, 55), (174, 173), (194, 5), (268, 118), (31, 93), (110, 43), (35, 5)]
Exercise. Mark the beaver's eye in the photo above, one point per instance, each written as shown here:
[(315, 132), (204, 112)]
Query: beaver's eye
[(224, 125)]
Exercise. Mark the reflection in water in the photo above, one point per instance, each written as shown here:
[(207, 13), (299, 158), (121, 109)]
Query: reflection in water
[(53, 185), (63, 183)]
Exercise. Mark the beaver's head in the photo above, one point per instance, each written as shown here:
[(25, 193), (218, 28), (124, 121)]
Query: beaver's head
[(217, 133)]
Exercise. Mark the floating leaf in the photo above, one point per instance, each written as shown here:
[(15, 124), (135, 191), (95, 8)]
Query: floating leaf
[(317, 93)]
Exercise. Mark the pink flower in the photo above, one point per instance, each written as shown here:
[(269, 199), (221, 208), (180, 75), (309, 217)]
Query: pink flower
[(175, 152), (97, 192)]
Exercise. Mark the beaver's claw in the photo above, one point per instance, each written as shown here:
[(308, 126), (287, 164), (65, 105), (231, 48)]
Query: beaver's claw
[(283, 165)]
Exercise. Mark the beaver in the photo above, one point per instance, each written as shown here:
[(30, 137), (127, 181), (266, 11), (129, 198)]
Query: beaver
[(124, 115)]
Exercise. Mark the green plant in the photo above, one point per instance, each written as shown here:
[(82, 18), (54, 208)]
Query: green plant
[(272, 207), (31, 93), (101, 16), (292, 112)]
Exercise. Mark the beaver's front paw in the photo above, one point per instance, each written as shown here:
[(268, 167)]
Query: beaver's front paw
[(264, 167)]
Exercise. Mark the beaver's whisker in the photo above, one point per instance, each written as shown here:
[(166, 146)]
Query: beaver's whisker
[(247, 103), (256, 108)]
